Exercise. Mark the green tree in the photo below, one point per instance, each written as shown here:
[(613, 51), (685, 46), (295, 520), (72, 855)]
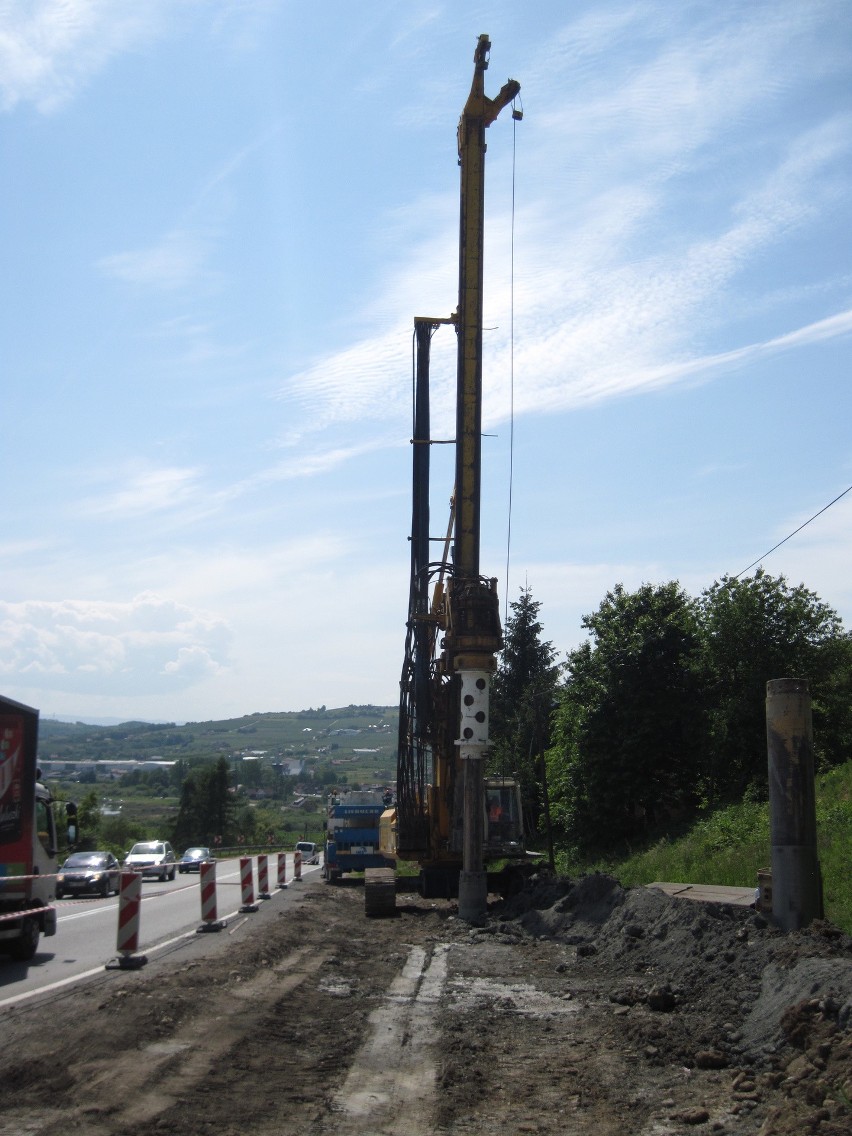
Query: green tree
[(207, 806), (757, 629), (522, 698), (630, 730)]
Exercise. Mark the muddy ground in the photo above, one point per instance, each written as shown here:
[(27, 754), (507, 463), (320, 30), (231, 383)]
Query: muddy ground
[(577, 1008)]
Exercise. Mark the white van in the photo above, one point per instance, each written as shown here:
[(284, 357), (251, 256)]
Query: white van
[(310, 852)]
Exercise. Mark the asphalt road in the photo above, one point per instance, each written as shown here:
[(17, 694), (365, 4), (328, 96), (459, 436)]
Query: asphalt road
[(85, 940)]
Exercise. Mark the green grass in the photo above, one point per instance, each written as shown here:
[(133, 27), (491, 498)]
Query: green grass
[(730, 845)]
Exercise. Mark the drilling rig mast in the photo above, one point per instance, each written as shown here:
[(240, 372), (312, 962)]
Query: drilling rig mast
[(444, 698)]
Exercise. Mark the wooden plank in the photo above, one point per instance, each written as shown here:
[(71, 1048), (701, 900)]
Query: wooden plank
[(709, 893)]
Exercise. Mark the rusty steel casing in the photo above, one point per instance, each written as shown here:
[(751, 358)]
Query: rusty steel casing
[(796, 878)]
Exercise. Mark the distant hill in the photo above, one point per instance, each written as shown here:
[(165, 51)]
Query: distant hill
[(332, 734), (71, 720)]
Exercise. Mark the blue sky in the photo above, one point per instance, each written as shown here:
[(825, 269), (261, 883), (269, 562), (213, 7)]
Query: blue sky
[(219, 220)]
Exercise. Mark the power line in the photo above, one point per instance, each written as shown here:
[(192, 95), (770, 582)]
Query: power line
[(792, 534)]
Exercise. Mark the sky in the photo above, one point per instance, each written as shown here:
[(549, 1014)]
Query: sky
[(219, 219)]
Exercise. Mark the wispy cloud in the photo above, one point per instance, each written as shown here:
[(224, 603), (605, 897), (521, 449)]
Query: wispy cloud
[(145, 492), (618, 288), (51, 49), (173, 263)]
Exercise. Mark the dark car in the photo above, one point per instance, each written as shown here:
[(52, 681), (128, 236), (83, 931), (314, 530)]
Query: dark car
[(97, 872), (193, 858)]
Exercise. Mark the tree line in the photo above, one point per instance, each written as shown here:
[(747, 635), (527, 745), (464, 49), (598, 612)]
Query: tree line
[(661, 711)]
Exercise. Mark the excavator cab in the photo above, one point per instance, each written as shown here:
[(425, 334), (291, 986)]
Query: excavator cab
[(504, 826)]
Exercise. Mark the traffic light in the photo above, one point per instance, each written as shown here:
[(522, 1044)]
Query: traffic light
[(71, 819)]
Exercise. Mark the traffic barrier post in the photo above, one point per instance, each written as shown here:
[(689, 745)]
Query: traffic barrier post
[(263, 876), (282, 869), (247, 884), (297, 867), (207, 883), (129, 905)]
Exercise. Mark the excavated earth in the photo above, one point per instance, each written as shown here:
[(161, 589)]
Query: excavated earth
[(578, 1007)]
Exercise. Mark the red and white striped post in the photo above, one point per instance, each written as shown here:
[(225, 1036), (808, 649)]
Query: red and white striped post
[(207, 882), (129, 904), (247, 883), (297, 866), (282, 869), (263, 876)]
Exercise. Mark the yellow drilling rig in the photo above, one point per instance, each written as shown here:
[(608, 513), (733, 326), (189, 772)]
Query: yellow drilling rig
[(448, 816)]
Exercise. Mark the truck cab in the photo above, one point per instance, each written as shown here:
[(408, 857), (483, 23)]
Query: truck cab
[(28, 844)]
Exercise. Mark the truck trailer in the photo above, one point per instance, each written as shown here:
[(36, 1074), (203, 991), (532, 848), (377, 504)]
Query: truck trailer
[(28, 844), (352, 840)]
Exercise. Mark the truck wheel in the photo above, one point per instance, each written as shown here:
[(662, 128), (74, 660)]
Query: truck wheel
[(24, 948)]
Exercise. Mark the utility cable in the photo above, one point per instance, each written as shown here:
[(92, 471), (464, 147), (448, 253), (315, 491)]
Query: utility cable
[(792, 534)]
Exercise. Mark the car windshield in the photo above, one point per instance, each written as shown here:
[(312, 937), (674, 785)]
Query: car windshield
[(150, 849), (303, 847), (196, 853), (86, 860)]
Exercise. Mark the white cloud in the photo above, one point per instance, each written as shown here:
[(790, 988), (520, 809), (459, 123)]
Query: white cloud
[(147, 645), (192, 663)]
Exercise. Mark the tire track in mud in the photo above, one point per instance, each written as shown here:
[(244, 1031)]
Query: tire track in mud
[(392, 1080), (164, 1073)]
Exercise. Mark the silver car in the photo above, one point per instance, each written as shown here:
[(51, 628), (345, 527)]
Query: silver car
[(152, 858)]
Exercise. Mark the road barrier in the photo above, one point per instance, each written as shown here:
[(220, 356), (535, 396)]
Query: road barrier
[(247, 884), (282, 869), (127, 942), (263, 876), (207, 884), (297, 867)]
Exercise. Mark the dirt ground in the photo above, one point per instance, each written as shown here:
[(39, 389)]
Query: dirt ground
[(577, 1008)]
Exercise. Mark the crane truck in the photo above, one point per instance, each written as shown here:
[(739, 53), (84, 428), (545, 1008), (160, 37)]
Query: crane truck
[(28, 844), (448, 816)]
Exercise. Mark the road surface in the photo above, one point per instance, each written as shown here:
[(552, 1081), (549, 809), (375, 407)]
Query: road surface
[(86, 935)]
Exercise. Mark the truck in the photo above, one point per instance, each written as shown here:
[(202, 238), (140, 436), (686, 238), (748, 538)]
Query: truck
[(449, 817), (28, 843), (352, 840)]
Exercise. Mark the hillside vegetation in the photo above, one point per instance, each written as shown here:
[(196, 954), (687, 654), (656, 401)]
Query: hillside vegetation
[(728, 846)]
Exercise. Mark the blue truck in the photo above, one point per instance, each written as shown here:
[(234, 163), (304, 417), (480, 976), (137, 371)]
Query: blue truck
[(352, 833)]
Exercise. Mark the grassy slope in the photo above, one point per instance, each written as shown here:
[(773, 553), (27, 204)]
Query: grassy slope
[(730, 845)]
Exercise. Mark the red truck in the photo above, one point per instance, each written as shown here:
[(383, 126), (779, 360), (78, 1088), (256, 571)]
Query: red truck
[(28, 844)]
